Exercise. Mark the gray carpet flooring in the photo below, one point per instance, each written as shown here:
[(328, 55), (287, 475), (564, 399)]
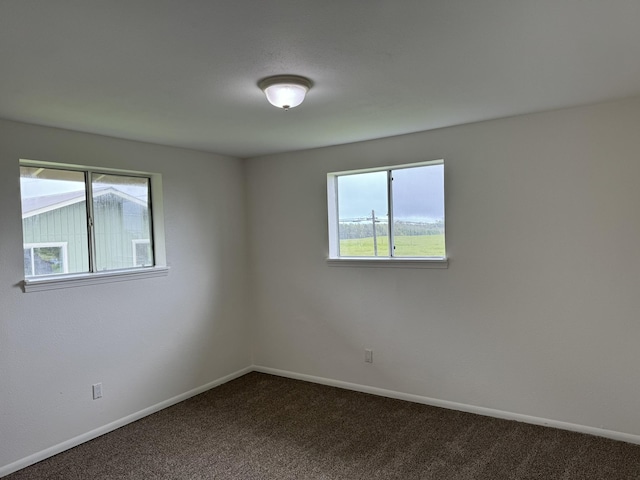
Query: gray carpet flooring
[(266, 427)]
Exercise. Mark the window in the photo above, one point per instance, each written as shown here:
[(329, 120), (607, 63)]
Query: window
[(87, 221), (394, 213), (45, 258), (142, 254)]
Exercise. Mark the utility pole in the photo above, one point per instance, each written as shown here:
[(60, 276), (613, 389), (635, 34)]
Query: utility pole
[(375, 238)]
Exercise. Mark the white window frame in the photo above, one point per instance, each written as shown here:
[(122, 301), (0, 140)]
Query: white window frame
[(134, 243), (335, 259), (68, 280), (65, 258)]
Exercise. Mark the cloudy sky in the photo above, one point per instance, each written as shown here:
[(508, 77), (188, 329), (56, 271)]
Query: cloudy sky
[(36, 182), (418, 194)]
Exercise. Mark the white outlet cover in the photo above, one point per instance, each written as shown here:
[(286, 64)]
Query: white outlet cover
[(97, 390), (368, 355)]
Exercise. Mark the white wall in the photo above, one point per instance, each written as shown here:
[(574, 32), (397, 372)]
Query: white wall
[(538, 312), (536, 315), (145, 340)]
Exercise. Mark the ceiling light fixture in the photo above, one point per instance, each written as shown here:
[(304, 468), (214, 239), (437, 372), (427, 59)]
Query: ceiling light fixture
[(285, 91)]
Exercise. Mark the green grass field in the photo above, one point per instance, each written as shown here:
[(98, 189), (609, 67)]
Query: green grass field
[(406, 246)]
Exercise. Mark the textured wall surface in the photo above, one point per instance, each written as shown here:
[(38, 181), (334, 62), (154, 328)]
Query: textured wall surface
[(145, 340), (537, 313)]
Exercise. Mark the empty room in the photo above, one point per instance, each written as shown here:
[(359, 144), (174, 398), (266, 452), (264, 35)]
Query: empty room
[(289, 239)]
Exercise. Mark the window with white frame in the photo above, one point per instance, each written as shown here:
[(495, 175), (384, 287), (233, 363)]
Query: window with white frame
[(142, 254), (78, 220), (45, 258), (393, 213)]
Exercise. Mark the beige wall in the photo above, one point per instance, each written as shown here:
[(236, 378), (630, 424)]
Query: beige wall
[(147, 340), (537, 313)]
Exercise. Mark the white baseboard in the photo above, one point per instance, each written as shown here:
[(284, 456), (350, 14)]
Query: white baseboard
[(489, 412), (85, 437)]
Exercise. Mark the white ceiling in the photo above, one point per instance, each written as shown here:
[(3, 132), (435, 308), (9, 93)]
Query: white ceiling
[(184, 73)]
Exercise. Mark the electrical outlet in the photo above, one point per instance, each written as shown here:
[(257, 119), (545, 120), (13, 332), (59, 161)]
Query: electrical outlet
[(368, 355), (97, 390)]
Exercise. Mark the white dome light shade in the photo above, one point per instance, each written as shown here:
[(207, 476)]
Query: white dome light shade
[(285, 91), (285, 95)]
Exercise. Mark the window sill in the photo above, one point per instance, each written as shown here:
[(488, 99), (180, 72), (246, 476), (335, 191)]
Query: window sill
[(389, 262), (79, 280)]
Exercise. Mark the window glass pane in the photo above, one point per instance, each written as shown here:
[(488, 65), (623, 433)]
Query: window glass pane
[(53, 215), (363, 221), (48, 260), (28, 267), (418, 211), (121, 215), (142, 253)]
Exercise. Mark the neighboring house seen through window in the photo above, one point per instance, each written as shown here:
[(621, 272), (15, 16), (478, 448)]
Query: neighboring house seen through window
[(45, 258), (84, 221), (142, 255)]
